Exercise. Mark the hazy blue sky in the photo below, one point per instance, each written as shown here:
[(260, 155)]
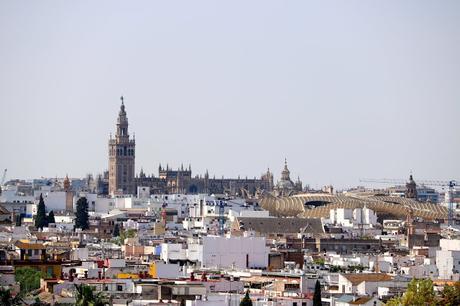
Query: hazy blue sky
[(342, 89)]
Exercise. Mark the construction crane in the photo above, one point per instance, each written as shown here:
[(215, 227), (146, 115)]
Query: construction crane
[(444, 184)]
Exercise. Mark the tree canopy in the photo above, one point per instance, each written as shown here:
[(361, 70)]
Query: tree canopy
[(51, 217), (116, 230), (82, 219), (7, 299), (317, 294), (450, 296), (85, 296), (41, 220), (420, 292), (246, 301), (28, 278), (129, 233)]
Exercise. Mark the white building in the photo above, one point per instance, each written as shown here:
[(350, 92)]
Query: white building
[(448, 259), (237, 252), (363, 283), (219, 252), (358, 217), (448, 263)]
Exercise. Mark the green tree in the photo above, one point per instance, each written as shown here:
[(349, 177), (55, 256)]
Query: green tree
[(28, 278), (130, 233), (85, 296), (40, 219), (51, 217), (419, 292), (81, 221), (319, 261), (335, 269), (116, 230), (317, 294), (450, 295), (7, 299), (246, 301)]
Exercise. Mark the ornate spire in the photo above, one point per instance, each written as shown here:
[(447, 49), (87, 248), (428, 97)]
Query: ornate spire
[(122, 107), (122, 122), (285, 173)]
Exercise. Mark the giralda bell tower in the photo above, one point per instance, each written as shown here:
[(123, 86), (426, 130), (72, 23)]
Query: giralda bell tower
[(121, 157)]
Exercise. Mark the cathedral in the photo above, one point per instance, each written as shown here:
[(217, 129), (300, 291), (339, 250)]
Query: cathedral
[(181, 180), (122, 179)]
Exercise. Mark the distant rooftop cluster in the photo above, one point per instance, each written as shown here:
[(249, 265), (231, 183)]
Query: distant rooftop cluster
[(179, 239)]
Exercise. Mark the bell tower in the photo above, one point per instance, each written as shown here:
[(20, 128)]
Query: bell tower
[(68, 195), (121, 156), (411, 189)]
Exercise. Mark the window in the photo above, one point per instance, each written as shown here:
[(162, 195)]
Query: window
[(119, 288)]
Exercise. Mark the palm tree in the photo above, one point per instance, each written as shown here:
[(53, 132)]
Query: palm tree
[(85, 296)]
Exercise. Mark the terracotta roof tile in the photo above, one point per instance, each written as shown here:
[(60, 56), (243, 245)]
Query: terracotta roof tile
[(357, 278)]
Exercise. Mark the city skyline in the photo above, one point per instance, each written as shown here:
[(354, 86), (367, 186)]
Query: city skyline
[(314, 87), (211, 153)]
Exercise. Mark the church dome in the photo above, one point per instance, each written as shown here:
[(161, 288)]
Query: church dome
[(285, 184)]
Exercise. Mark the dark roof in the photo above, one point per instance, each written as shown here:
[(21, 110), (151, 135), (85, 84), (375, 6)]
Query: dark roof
[(4, 211), (361, 300), (281, 225)]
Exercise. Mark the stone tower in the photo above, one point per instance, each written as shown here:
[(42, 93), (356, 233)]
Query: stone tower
[(121, 157), (68, 195)]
